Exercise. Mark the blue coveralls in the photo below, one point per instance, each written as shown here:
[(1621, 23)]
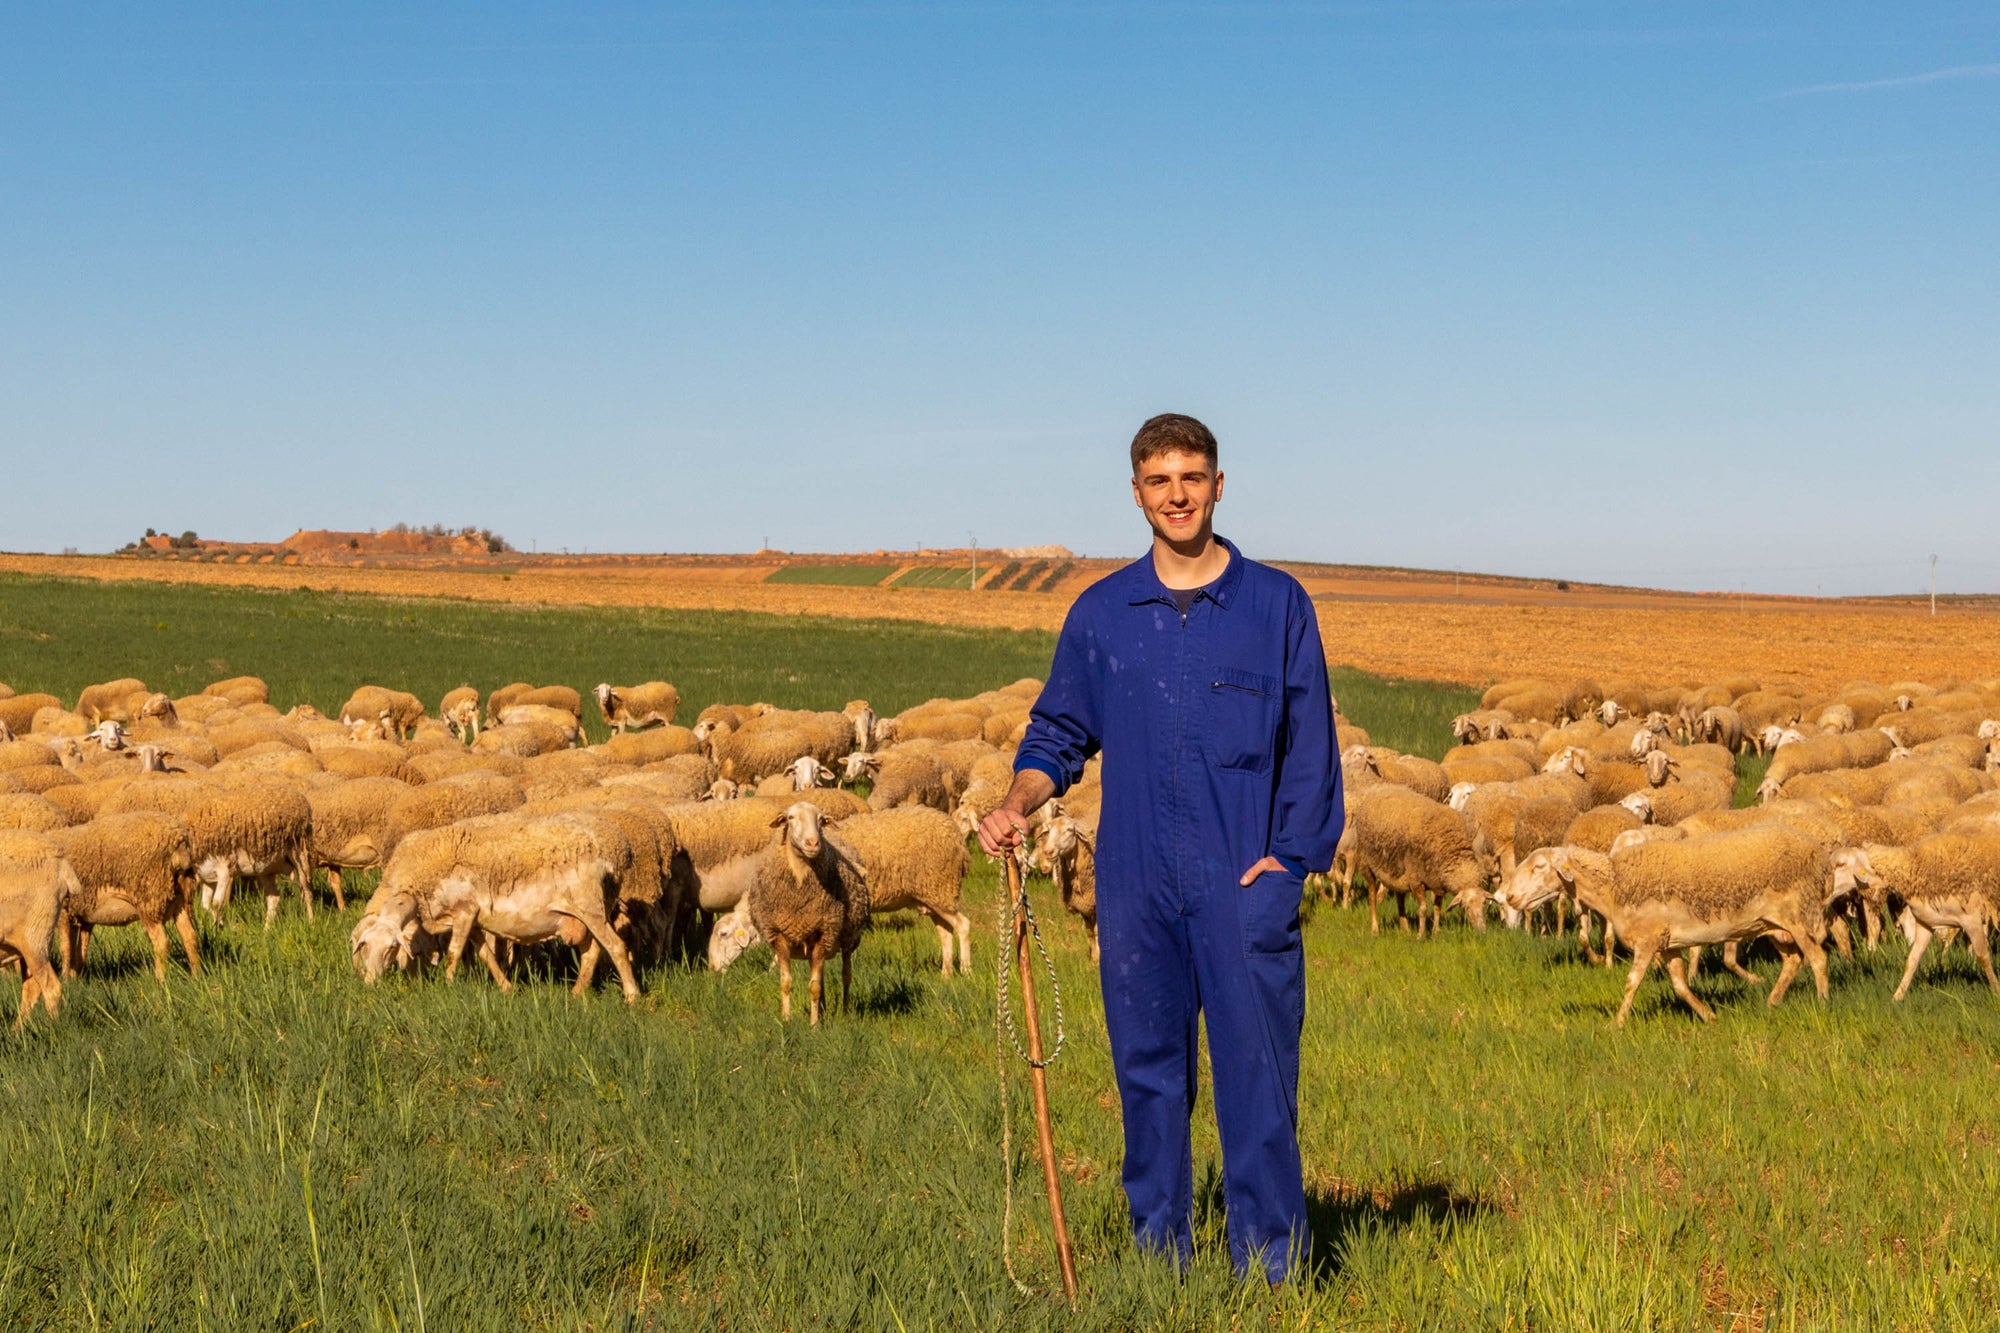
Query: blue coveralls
[(1219, 749)]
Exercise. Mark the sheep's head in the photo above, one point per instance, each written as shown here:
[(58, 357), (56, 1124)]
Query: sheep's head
[(967, 820), (722, 789), (864, 727), (802, 826), (1463, 728), (885, 731), (1611, 712), (1495, 729), (1989, 730), (109, 734), (733, 934), (859, 765), (152, 759), (1904, 703), (1895, 736), (1571, 759), (385, 939), (1547, 872), (1644, 743), (1660, 767), (161, 707), (1899, 753), (607, 699), (1640, 804), (1768, 790), (808, 772), (1854, 872), (1461, 795)]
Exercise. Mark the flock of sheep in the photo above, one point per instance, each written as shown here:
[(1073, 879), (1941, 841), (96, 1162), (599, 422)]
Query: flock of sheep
[(496, 828), (1615, 801)]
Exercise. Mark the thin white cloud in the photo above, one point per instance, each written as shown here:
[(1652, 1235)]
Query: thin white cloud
[(1905, 81)]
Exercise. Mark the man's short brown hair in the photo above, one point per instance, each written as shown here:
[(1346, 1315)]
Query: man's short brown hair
[(1171, 432)]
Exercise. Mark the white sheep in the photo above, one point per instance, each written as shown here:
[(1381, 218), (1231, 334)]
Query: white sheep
[(634, 706)]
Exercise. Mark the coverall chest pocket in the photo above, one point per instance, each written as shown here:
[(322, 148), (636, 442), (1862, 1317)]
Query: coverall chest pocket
[(1242, 720)]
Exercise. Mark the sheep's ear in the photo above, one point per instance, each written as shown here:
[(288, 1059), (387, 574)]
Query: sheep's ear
[(779, 822)]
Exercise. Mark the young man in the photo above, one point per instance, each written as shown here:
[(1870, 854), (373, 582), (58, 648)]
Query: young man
[(1200, 676)]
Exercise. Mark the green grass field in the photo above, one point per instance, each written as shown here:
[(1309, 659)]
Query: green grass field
[(835, 576), (935, 576), (273, 1146)]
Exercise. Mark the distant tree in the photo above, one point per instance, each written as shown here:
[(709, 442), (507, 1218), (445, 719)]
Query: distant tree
[(353, 543), (151, 533)]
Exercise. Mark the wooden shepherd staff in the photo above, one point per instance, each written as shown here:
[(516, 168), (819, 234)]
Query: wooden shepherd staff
[(1039, 1075)]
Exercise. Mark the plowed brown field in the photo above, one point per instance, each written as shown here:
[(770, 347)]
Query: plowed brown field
[(1397, 624)]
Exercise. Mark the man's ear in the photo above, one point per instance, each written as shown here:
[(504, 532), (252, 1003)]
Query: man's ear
[(1218, 484)]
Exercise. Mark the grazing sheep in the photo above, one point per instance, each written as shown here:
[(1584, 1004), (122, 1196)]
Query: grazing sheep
[(254, 832), (1861, 749), (807, 893), (524, 740), (733, 933), (915, 858), (239, 690), (634, 706), (447, 801), (30, 813), (653, 745), (17, 713), (525, 880), (1947, 881), (1423, 776), (1408, 844), (1070, 847), (560, 697), (460, 711), (682, 778), (400, 709), (36, 884), (864, 719), (1507, 826), (564, 724), (350, 827), (112, 700), (901, 776), (129, 867)]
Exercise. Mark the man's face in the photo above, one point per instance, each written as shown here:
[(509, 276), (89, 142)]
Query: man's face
[(1178, 491)]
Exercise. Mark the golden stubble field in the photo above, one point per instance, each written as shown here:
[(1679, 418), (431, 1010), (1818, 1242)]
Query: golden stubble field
[(1400, 625)]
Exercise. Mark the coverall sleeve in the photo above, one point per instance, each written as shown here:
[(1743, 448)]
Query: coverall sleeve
[(1065, 727), (1309, 812)]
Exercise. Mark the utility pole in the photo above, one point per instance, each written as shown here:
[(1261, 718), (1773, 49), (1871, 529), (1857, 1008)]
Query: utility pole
[(975, 562), (1933, 586)]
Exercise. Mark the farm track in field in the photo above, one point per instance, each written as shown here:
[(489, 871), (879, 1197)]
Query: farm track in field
[(1414, 626)]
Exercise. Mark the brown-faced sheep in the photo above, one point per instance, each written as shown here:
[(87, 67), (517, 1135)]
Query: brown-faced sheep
[(112, 700), (810, 894)]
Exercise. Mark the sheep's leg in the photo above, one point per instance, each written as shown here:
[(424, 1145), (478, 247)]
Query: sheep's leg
[(31, 991), (1732, 959), (781, 952), (1906, 922), (190, 945), (1677, 972), (1375, 896), (1642, 962), (334, 881), (816, 979), (1871, 925), (1090, 922), (1918, 944), (1836, 926), (586, 967), (1982, 949), (1694, 963), (489, 954), (66, 945), (461, 935), (621, 958), (1583, 939), (1815, 956), (846, 981), (1610, 940), (157, 933), (961, 926), (48, 987), (939, 921), (1788, 968), (302, 873)]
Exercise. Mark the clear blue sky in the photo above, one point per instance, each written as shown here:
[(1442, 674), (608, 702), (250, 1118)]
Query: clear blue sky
[(1688, 295)]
